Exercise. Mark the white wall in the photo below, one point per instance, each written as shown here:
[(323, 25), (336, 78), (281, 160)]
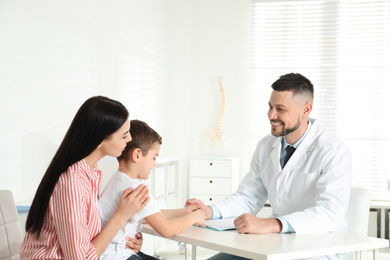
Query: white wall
[(56, 54), (207, 39), (221, 32)]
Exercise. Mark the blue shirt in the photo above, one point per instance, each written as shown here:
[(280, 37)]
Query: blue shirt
[(286, 227)]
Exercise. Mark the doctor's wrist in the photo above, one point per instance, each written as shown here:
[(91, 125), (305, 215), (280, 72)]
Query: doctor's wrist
[(277, 225), (209, 212)]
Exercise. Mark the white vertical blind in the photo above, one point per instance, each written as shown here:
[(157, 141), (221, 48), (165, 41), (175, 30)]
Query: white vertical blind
[(343, 47)]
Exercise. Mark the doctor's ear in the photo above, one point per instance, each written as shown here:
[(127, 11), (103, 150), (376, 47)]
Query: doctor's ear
[(307, 108)]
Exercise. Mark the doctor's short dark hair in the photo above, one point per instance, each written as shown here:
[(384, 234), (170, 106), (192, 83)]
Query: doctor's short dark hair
[(296, 83), (143, 137)]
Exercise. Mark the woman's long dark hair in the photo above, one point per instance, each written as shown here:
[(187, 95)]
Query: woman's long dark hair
[(97, 119)]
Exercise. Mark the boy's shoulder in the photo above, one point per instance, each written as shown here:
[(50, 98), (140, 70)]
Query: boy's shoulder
[(119, 181), (119, 176)]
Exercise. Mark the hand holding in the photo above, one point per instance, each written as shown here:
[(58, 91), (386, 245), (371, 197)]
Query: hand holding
[(200, 216), (189, 209), (199, 204)]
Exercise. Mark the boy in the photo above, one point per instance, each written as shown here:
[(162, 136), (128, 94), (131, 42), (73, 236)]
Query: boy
[(136, 162)]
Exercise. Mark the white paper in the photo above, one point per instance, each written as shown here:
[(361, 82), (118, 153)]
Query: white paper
[(220, 224)]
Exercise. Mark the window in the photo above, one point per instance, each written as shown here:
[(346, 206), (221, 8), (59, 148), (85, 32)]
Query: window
[(343, 47)]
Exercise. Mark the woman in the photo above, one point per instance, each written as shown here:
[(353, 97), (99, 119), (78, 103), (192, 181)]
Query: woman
[(63, 222)]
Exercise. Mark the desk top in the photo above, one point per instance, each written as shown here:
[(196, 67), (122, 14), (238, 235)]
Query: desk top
[(274, 246)]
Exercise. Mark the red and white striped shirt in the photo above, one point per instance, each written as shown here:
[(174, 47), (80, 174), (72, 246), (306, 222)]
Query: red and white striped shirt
[(72, 219)]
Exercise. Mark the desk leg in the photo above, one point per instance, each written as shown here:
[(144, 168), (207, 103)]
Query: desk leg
[(386, 223), (375, 254), (193, 252), (358, 255), (378, 221)]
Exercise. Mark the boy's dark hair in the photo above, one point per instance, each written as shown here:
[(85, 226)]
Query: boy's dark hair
[(143, 137), (296, 83)]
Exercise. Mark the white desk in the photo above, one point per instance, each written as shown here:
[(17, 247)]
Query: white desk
[(274, 246)]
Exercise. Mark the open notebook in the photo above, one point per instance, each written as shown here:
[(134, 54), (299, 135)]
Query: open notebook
[(219, 224)]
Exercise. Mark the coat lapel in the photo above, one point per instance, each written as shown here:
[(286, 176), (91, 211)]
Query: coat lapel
[(305, 148), (275, 153)]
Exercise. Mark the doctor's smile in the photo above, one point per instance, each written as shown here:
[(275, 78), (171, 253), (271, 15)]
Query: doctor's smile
[(275, 124)]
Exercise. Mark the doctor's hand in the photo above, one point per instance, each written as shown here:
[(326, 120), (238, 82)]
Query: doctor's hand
[(249, 224), (199, 204)]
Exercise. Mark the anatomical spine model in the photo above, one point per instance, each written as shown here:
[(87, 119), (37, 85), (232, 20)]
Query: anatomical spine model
[(215, 135)]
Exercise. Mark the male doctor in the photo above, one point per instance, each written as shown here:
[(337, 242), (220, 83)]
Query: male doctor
[(303, 171)]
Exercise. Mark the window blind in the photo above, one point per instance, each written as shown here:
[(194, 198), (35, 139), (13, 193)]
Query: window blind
[(343, 47)]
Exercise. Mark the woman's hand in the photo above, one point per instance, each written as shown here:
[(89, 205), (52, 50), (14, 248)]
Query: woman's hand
[(132, 201), (135, 244)]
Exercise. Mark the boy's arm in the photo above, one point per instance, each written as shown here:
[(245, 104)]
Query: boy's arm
[(170, 227), (176, 213)]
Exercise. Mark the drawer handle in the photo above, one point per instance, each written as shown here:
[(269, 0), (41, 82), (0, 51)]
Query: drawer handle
[(211, 181), (210, 199), (211, 164)]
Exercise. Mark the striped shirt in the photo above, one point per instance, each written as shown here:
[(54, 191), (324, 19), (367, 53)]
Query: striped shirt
[(72, 219)]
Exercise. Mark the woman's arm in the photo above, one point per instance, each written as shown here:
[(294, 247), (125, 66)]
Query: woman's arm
[(170, 227), (130, 203)]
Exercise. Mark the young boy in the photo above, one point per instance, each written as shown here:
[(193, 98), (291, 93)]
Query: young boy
[(136, 162)]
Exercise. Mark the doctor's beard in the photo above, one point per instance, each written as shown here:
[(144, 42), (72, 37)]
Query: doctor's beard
[(287, 131)]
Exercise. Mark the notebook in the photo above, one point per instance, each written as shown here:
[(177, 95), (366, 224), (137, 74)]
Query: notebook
[(219, 224)]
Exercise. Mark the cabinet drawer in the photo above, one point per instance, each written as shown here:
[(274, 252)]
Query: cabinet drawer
[(210, 186), (208, 199), (216, 168)]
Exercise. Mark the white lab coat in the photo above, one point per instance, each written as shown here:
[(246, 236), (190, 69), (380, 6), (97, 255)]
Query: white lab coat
[(311, 192)]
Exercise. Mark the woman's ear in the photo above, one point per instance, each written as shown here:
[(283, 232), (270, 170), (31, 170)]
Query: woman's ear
[(136, 154)]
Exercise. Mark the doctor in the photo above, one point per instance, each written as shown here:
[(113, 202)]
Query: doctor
[(310, 191)]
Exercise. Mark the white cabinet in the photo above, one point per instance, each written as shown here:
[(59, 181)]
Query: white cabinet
[(213, 178)]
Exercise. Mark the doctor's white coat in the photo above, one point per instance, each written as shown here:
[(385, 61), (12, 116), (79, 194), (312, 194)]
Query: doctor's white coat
[(311, 192)]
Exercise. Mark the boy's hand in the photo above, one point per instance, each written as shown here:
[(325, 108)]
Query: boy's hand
[(201, 217), (189, 209), (135, 244), (199, 204)]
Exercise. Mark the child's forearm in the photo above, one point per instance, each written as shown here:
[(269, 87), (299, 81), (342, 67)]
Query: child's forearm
[(176, 225), (170, 227), (173, 213), (176, 213)]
